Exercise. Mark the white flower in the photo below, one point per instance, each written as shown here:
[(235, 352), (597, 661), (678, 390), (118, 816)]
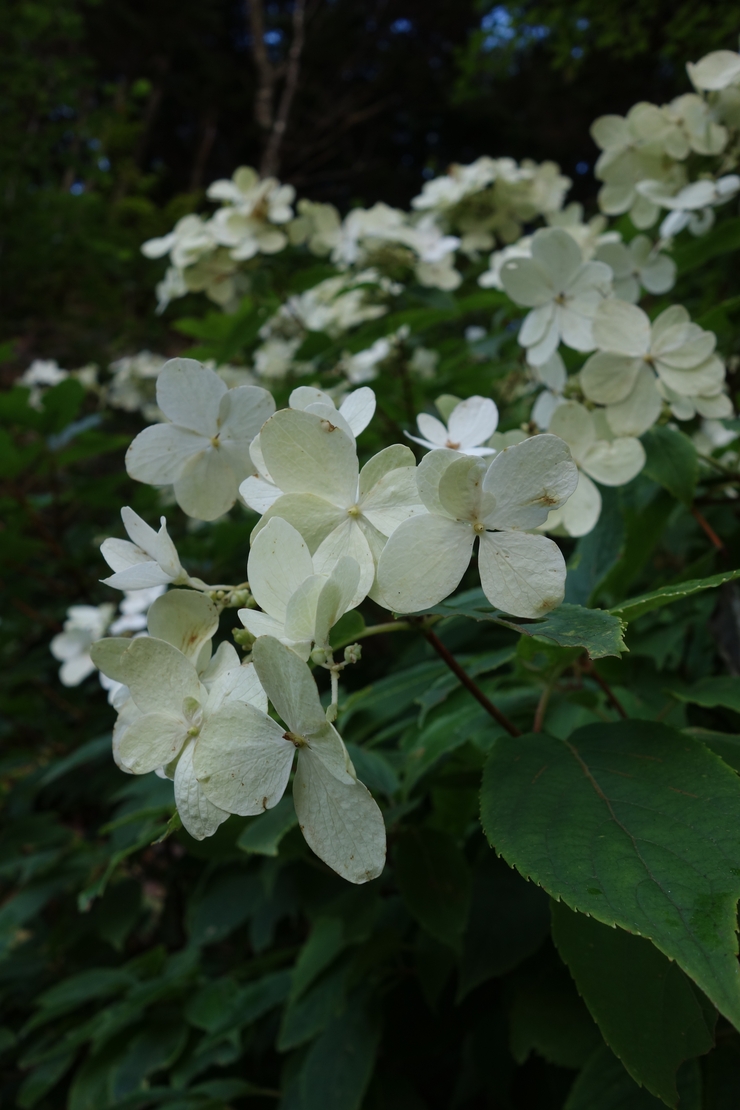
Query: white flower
[(554, 376), (244, 763), (188, 241), (300, 605), (133, 385), (246, 224), (635, 264), (622, 375), (715, 71), (133, 609), (692, 205), (274, 358), (170, 708), (714, 406), (171, 287), (84, 625), (41, 374), (334, 305), (696, 120), (471, 424), (598, 455), (316, 225), (338, 509), (562, 290), (204, 452), (499, 503), (353, 415), (641, 145), (149, 560), (363, 366)]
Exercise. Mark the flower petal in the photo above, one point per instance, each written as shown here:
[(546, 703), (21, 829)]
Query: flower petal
[(528, 480), (581, 512), (242, 759), (423, 562), (340, 822), (198, 814), (558, 254), (393, 499), (152, 740), (520, 573), (185, 619), (279, 562), (305, 454), (429, 474), (621, 328), (615, 463), (207, 486), (337, 595), (347, 540), (189, 394), (461, 489), (573, 423), (608, 378), (289, 685), (312, 516), (390, 458), (258, 494), (159, 677), (159, 454), (358, 408), (473, 421), (527, 282), (639, 410)]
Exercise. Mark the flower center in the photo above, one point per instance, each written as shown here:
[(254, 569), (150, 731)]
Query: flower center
[(215, 441), (295, 739), (354, 511), (452, 446), (479, 528)]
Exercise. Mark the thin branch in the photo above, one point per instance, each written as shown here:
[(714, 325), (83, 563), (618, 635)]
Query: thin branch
[(539, 716), (467, 681), (271, 157), (265, 70), (706, 526), (611, 697)]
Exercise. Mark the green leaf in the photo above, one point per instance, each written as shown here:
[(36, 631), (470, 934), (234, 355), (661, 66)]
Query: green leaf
[(549, 1018), (347, 629), (596, 553), (434, 881), (225, 905), (635, 607), (595, 630), (264, 833), (672, 462), (509, 920), (726, 747), (475, 665), (338, 1066), (307, 1015), (605, 1085), (43, 1078), (650, 1013), (324, 944), (723, 692), (723, 238), (374, 770), (636, 824)]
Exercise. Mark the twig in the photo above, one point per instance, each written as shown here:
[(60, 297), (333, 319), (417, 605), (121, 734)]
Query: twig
[(271, 156), (612, 698), (539, 716), (706, 526), (265, 69), (467, 681)]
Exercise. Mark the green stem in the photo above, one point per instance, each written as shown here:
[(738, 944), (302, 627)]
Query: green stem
[(375, 630)]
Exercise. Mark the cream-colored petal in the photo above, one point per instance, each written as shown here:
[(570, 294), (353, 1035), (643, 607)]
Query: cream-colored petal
[(461, 489), (520, 573), (348, 540), (207, 486), (242, 759), (621, 328), (312, 516), (305, 454), (390, 458), (528, 480), (288, 684), (340, 822), (608, 378), (160, 453), (198, 814), (581, 512), (573, 423), (393, 499), (152, 741), (189, 394), (641, 408), (186, 619), (423, 562), (615, 463), (429, 474), (279, 561), (258, 494), (159, 676)]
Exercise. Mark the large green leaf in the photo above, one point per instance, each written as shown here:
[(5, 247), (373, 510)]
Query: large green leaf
[(595, 630), (434, 880), (672, 461), (721, 239), (722, 691), (264, 833), (636, 824), (650, 1013), (548, 1017), (605, 1085), (338, 1066), (635, 607)]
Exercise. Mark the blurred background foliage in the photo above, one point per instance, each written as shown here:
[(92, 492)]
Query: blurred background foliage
[(200, 975), (117, 114)]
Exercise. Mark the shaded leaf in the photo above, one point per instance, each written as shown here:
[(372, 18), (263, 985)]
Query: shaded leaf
[(635, 607), (672, 461), (636, 824), (434, 881)]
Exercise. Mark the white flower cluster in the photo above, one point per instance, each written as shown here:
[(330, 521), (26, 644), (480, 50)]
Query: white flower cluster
[(331, 533), (646, 157)]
